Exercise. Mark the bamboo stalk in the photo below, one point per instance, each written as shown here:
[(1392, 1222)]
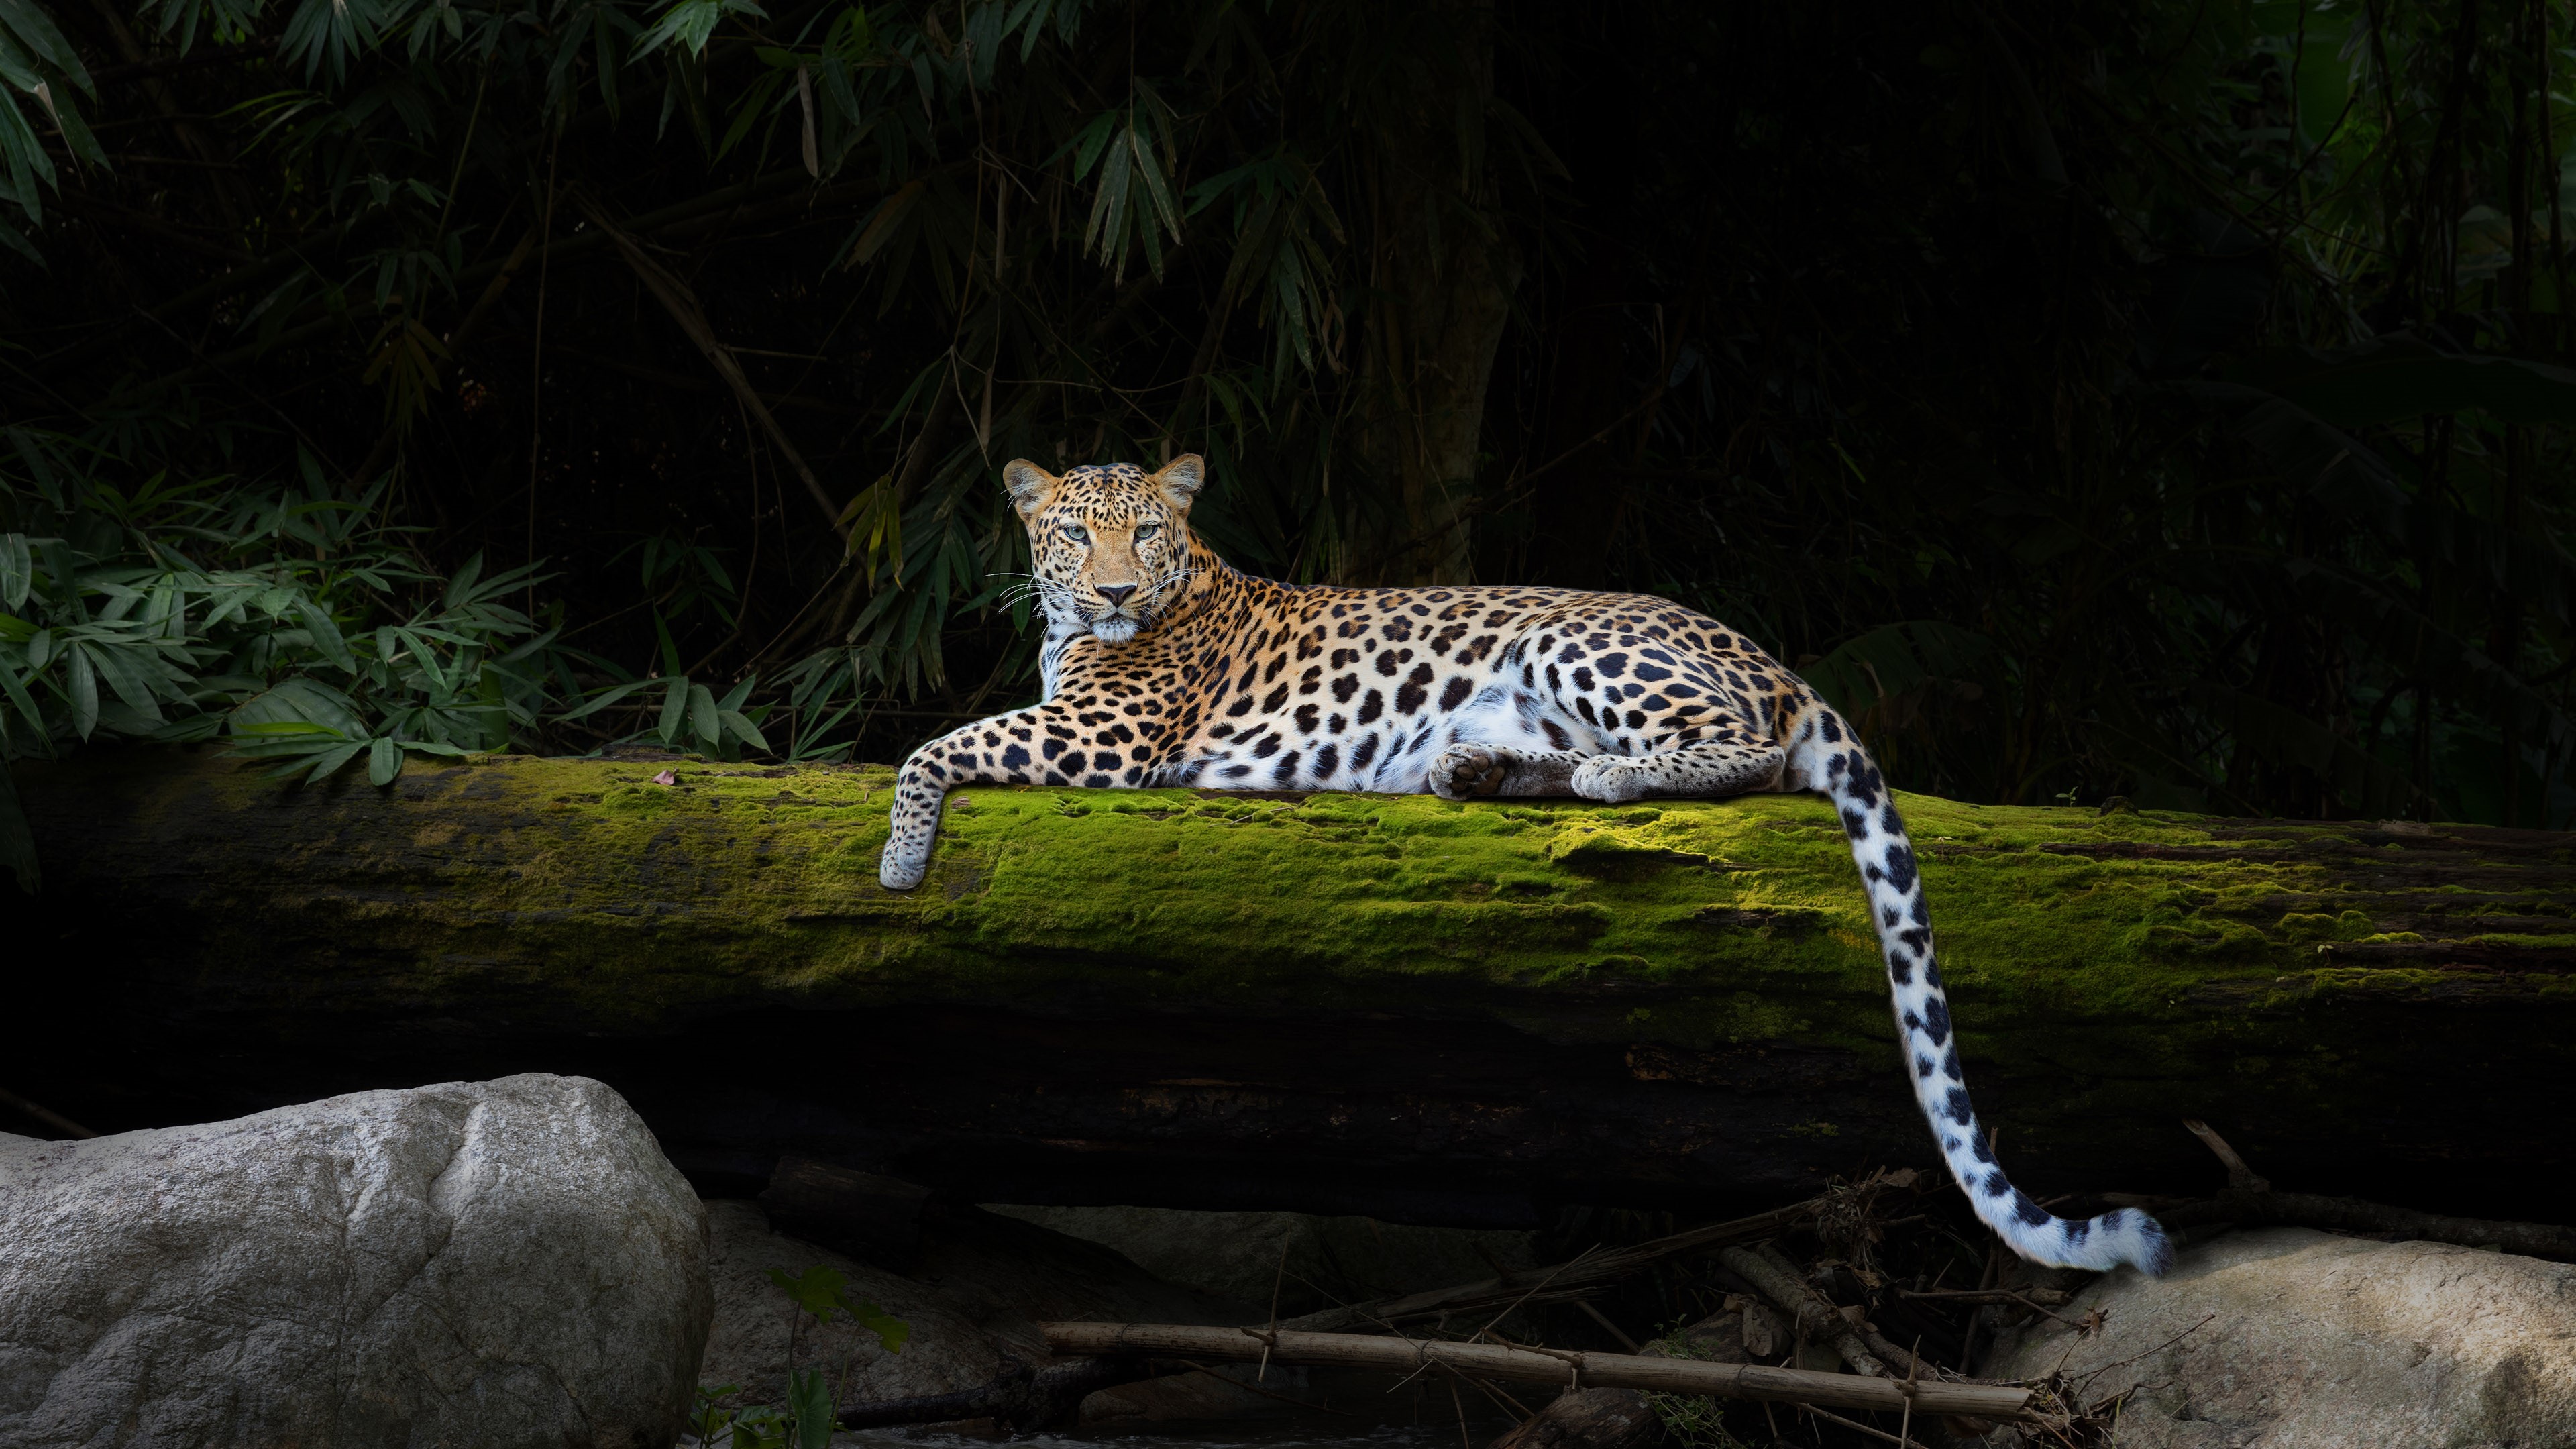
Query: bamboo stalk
[(1497, 1361)]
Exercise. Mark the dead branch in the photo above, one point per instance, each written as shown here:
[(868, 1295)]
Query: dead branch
[(2352, 1215), (1499, 1361), (1817, 1316), (44, 1114), (2239, 1176), (2249, 1199)]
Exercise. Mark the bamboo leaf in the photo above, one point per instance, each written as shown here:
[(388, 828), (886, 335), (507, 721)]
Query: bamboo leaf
[(325, 633), (82, 678), (675, 707), (742, 729), (17, 570), (330, 761), (384, 761)]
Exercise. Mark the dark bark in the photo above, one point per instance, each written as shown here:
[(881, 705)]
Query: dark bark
[(1445, 274)]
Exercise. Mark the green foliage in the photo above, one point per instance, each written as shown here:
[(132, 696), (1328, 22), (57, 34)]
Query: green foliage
[(2214, 398), (293, 625), (2153, 400), (758, 1427), (44, 80), (1693, 1421), (807, 1422), (291, 622), (821, 1292)]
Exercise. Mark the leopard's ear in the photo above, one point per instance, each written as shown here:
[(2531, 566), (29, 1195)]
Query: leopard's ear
[(1031, 486), (1181, 479)]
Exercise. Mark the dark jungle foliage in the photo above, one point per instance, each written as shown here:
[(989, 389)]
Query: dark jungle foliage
[(2161, 400)]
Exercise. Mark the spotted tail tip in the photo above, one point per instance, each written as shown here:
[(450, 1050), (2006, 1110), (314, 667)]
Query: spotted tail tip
[(2156, 1252), (2122, 1237)]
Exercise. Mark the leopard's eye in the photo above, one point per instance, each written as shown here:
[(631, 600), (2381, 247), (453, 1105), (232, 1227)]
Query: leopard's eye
[(1145, 531), (1077, 533)]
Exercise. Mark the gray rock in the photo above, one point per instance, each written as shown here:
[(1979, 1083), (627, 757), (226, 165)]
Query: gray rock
[(495, 1264), (2284, 1338), (756, 1327), (1326, 1260), (981, 1286)]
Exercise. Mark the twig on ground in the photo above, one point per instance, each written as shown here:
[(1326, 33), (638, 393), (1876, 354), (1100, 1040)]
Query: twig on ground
[(2352, 1215), (1864, 1428), (1817, 1317), (2239, 1176), (44, 1114), (2249, 1198), (1603, 1319), (1480, 1360)]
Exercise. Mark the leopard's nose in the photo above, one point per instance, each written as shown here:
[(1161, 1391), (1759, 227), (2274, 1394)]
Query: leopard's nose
[(1116, 594)]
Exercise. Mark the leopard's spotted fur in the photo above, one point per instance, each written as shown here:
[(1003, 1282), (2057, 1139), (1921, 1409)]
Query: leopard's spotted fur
[(1164, 666)]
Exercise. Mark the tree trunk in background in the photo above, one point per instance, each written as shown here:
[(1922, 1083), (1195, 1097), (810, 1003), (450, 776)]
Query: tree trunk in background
[(1383, 1004), (1444, 275), (1585, 386)]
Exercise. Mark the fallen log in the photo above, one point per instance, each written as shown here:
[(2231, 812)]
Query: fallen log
[(1535, 1365), (1395, 1005)]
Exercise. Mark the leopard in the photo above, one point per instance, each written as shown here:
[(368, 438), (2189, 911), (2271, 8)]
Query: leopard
[(1163, 665)]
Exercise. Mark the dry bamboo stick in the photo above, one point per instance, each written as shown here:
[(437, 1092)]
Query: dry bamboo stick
[(1495, 1361), (1816, 1317)]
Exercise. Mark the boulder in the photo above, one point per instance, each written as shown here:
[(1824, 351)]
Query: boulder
[(2287, 1338), (499, 1263), (1308, 1261), (979, 1288)]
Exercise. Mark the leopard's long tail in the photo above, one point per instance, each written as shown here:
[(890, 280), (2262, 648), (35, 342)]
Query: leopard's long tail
[(1825, 755)]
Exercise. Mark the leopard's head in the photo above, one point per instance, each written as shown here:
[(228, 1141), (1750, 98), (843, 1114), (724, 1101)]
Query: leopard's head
[(1109, 543)]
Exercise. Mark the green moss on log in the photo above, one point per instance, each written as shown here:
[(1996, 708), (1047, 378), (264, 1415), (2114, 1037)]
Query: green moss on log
[(584, 892), (1699, 971)]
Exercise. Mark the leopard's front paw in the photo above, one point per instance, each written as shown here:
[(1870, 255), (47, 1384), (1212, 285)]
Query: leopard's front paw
[(1611, 779), (1463, 772)]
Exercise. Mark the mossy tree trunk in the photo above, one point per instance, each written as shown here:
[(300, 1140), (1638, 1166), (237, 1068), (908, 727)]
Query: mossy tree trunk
[(1384, 1004)]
